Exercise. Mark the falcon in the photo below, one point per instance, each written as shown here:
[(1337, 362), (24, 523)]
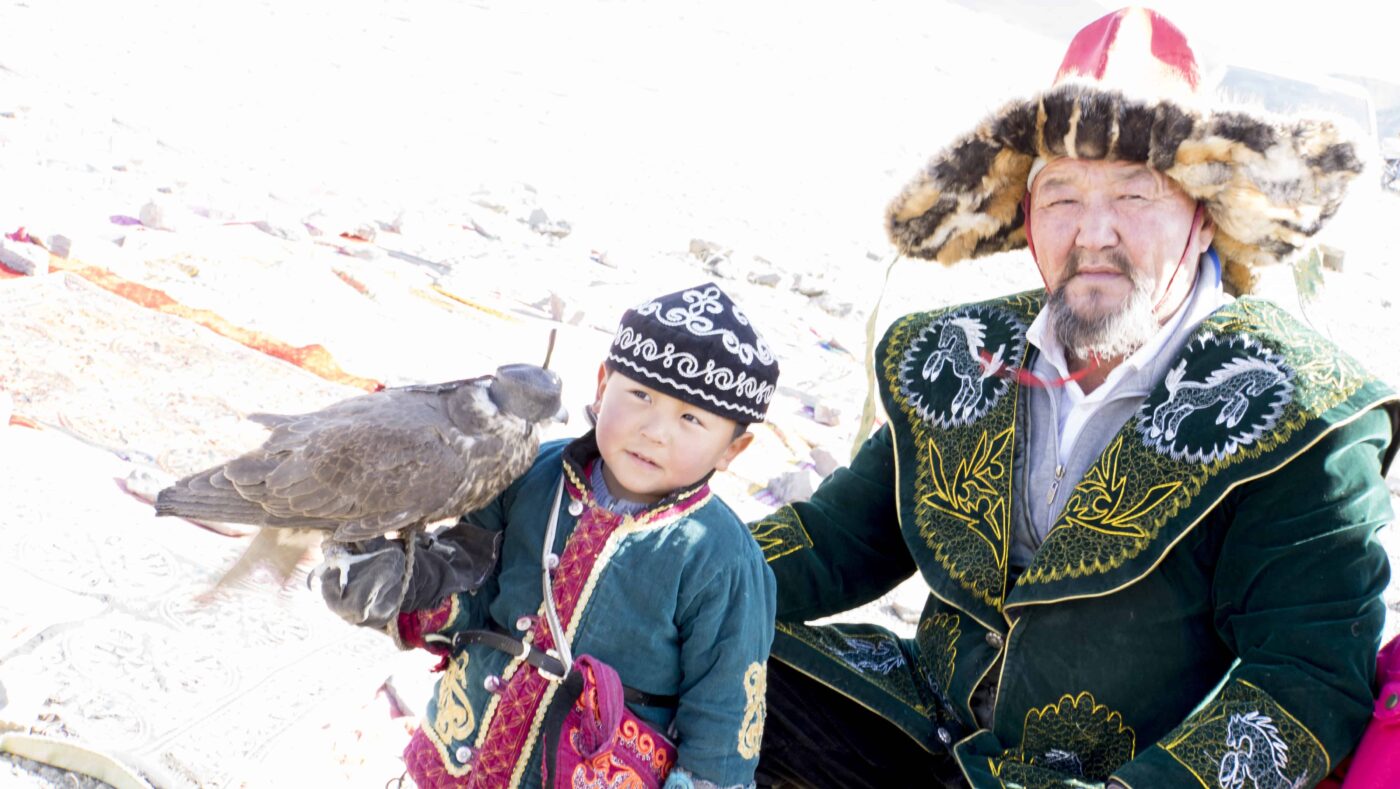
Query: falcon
[(392, 461)]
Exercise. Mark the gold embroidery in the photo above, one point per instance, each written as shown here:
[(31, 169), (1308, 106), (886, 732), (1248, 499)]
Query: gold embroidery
[(454, 721), (961, 512), (1098, 501), (938, 647), (1132, 492), (1244, 732), (1076, 736), (780, 534), (971, 494), (960, 481), (755, 708)]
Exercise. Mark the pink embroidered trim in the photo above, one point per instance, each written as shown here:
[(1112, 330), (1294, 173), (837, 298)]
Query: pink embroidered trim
[(425, 764), (413, 625)]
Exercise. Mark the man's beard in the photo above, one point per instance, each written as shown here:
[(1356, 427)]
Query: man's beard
[(1108, 335)]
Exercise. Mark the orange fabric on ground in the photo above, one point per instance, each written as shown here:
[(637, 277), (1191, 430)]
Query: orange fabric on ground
[(312, 358)]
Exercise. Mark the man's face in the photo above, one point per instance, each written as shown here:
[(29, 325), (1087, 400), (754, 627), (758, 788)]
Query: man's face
[(1108, 236)]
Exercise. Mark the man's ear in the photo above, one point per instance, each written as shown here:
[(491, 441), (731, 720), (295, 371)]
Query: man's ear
[(739, 444), (1206, 234)]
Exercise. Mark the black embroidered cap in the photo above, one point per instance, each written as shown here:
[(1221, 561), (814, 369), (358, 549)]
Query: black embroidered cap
[(698, 346)]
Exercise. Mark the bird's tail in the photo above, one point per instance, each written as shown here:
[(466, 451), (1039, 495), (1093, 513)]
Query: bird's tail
[(277, 551)]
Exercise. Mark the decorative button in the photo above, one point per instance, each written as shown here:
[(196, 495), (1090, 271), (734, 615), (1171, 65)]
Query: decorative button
[(1392, 701), (994, 640), (551, 561), (492, 683), (944, 737), (464, 754), (524, 623), (575, 508)]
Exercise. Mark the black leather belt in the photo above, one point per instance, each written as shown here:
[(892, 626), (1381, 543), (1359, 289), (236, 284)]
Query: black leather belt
[(548, 664)]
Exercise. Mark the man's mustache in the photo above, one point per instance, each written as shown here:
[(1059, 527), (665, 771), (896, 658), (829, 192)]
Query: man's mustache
[(1080, 257)]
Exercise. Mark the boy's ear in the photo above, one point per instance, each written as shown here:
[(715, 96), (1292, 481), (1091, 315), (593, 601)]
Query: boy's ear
[(736, 446), (602, 383)]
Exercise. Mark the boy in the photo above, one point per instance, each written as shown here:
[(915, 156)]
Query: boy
[(650, 573)]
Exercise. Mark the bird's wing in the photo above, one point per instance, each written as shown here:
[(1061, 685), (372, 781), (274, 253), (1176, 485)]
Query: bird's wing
[(363, 476)]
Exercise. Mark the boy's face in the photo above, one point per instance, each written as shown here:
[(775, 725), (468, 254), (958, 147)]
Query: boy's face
[(654, 444)]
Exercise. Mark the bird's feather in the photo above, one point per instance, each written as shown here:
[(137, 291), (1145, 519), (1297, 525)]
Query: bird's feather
[(374, 464)]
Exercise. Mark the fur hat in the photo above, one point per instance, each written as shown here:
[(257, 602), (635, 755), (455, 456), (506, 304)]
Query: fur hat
[(698, 346), (1126, 90)]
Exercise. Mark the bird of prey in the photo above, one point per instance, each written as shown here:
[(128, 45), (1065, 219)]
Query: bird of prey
[(391, 461)]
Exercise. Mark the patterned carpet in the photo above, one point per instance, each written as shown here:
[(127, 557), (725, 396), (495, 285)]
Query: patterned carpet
[(107, 633)]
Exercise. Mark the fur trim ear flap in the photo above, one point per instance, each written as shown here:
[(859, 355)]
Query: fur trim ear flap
[(1267, 183), (967, 202)]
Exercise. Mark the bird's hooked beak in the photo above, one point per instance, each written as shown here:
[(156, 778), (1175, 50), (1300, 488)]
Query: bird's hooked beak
[(561, 416)]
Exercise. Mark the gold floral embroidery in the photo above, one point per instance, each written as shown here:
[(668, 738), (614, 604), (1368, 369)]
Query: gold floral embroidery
[(1076, 736), (780, 534), (756, 690), (455, 720), (938, 647), (961, 480), (1120, 508), (1099, 502), (961, 477), (971, 495)]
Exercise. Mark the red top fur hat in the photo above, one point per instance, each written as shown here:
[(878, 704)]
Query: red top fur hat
[(1127, 91)]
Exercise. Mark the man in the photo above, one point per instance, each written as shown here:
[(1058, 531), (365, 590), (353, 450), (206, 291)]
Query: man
[(1145, 511)]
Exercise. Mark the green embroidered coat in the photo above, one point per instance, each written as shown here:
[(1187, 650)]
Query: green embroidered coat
[(1206, 607)]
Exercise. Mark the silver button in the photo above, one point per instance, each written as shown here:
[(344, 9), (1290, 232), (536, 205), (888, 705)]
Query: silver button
[(575, 508), (551, 561), (492, 683), (524, 623), (994, 640), (944, 737), (464, 754)]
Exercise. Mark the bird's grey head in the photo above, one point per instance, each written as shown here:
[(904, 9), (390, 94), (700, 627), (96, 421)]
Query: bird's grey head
[(529, 392)]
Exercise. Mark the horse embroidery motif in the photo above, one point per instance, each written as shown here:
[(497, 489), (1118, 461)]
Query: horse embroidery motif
[(879, 655), (960, 346), (1256, 381), (1256, 755)]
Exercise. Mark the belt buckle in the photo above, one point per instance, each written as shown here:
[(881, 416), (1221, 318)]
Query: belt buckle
[(546, 673)]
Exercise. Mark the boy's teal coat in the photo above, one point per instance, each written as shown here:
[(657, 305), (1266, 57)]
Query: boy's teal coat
[(682, 605)]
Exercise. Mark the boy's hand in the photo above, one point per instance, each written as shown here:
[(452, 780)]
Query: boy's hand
[(361, 582)]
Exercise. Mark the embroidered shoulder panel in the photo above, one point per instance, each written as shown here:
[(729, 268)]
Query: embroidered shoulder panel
[(1244, 738), (1246, 394), (780, 534), (955, 418)]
